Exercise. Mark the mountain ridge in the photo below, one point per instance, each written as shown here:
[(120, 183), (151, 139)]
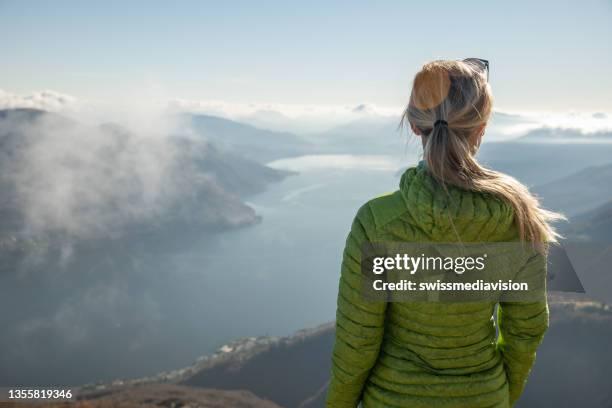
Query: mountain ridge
[(267, 366)]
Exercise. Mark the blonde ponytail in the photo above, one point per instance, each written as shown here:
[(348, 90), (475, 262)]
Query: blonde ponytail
[(450, 104)]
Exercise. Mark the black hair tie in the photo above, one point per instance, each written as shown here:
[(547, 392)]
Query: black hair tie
[(440, 122)]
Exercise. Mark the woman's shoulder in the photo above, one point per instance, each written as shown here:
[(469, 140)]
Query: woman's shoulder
[(381, 210)]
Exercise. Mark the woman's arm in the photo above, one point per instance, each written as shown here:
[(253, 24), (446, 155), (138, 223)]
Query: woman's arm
[(359, 323), (521, 328)]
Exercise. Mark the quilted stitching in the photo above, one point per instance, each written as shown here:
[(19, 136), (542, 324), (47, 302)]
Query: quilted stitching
[(429, 354)]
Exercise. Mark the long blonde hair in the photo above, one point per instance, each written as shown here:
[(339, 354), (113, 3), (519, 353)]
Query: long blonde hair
[(450, 105)]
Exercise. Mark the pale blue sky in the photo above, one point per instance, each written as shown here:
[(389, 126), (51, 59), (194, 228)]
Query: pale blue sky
[(545, 55)]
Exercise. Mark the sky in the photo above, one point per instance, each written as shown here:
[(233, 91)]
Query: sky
[(545, 56)]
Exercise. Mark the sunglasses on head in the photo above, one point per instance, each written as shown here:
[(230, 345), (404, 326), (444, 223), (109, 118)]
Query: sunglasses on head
[(479, 64)]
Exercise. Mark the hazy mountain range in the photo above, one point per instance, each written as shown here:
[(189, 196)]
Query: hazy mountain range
[(89, 214), (594, 225), (249, 141), (578, 192), (539, 163)]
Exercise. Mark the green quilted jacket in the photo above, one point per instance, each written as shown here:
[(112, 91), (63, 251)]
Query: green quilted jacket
[(428, 354)]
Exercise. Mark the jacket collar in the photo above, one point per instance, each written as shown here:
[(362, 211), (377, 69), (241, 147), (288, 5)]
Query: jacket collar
[(454, 214)]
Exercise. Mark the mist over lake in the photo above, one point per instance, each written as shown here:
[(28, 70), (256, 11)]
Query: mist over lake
[(101, 308)]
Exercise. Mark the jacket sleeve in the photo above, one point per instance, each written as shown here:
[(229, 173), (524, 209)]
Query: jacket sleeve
[(359, 322), (521, 328)]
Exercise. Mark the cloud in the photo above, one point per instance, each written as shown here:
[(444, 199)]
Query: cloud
[(290, 111), (80, 181), (44, 100), (581, 122), (295, 118), (320, 118), (511, 125), (306, 118), (96, 181), (134, 110)]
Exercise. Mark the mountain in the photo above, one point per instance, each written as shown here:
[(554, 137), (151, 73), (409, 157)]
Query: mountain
[(501, 149), (375, 134), (503, 127), (506, 119), (562, 135), (235, 173), (106, 236), (109, 177), (573, 365), (578, 192), (248, 141), (537, 164), (155, 396), (588, 244), (594, 225), (584, 196), (364, 136), (12, 117), (572, 369), (270, 119), (540, 163), (290, 371)]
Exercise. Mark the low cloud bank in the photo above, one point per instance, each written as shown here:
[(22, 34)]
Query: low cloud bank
[(294, 117)]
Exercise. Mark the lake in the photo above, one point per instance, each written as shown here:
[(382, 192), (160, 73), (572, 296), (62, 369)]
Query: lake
[(134, 312)]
